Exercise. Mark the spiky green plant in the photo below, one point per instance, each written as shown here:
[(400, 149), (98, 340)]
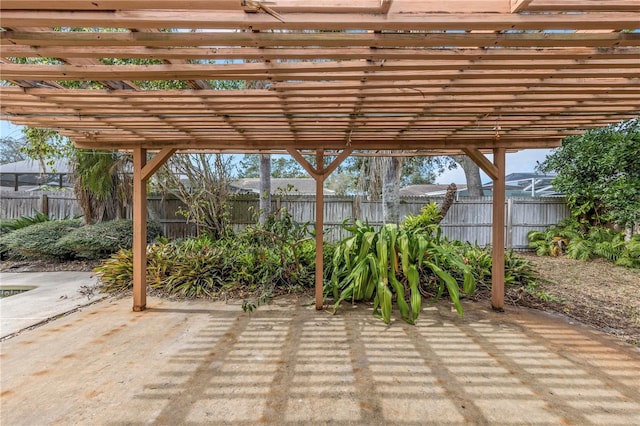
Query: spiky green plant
[(8, 225), (585, 243), (380, 265)]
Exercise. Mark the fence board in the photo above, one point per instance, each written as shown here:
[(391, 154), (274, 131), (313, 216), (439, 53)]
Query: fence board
[(469, 219)]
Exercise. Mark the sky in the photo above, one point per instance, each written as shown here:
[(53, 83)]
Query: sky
[(522, 161), (9, 130)]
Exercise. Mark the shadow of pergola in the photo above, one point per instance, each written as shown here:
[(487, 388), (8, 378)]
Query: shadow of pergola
[(291, 365)]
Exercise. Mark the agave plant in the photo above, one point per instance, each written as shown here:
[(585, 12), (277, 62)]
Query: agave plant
[(376, 265)]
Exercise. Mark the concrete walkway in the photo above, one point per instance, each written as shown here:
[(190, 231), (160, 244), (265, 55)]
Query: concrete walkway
[(55, 293), (198, 362)]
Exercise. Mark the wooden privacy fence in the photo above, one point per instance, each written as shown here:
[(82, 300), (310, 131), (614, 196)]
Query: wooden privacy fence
[(469, 219)]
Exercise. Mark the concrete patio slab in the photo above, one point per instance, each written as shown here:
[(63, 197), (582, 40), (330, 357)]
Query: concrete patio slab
[(198, 362), (55, 293)]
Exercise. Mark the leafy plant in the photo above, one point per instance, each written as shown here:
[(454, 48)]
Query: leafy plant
[(39, 240), (380, 265), (261, 261), (554, 240), (582, 242), (599, 172), (8, 225), (427, 221), (100, 240)]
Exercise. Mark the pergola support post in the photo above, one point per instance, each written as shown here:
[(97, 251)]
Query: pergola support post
[(497, 235), (141, 174), (139, 231), (320, 173), (319, 228), (496, 171)]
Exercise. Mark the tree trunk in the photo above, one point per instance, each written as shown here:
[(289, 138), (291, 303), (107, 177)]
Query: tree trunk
[(449, 199), (265, 187), (471, 174), (391, 189)]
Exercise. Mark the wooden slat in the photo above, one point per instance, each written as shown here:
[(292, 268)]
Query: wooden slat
[(399, 21), (583, 6), (351, 53), (282, 6), (318, 39)]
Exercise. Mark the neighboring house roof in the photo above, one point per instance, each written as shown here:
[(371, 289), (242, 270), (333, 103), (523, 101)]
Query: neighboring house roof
[(299, 186), (434, 190), (32, 166)]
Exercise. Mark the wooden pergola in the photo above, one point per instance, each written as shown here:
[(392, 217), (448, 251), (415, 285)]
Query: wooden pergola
[(470, 76)]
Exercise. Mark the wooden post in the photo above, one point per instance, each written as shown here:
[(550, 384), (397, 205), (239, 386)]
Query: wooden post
[(139, 231), (320, 173), (44, 204), (497, 235), (319, 228), (509, 241)]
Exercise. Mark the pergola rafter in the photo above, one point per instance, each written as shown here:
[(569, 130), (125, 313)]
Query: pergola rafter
[(472, 76)]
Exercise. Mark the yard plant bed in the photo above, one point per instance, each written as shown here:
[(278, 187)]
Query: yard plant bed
[(596, 293)]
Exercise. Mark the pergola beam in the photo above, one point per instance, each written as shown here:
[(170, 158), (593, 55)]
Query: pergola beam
[(156, 162), (481, 161)]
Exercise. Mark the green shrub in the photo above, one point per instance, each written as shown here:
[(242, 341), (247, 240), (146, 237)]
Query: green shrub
[(263, 261), (39, 241), (10, 225), (102, 239), (583, 243)]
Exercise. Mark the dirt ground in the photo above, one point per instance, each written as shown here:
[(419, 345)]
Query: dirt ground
[(596, 293)]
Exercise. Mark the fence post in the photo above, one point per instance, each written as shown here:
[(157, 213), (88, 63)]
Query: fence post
[(509, 223), (44, 204)]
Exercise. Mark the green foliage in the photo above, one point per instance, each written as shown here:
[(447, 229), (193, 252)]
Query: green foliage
[(554, 240), (102, 239), (427, 221), (201, 182), (394, 262), (585, 243), (8, 225), (262, 261), (101, 184), (45, 145), (600, 173), (95, 169), (406, 263), (38, 241), (519, 271)]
